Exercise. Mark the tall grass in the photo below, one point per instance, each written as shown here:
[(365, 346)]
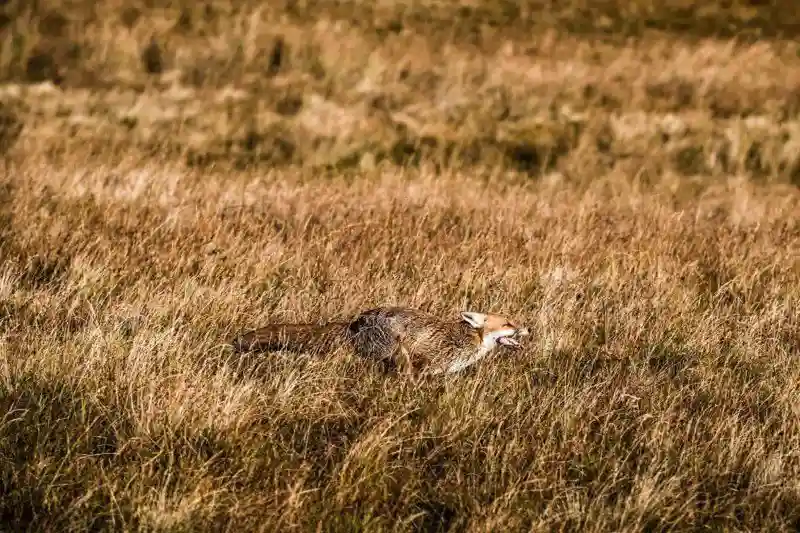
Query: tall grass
[(174, 173)]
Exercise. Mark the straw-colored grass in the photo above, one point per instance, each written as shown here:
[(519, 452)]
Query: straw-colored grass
[(633, 202)]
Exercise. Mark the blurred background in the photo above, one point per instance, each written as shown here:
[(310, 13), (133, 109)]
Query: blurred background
[(529, 86)]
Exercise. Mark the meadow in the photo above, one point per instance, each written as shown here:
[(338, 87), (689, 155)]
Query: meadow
[(621, 177)]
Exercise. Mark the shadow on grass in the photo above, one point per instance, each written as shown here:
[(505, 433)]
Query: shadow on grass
[(46, 427)]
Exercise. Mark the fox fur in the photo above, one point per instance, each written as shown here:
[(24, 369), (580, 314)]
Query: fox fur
[(406, 338)]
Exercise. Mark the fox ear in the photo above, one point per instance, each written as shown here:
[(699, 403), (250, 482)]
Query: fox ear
[(476, 320)]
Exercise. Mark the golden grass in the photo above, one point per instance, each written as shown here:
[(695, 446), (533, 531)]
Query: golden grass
[(633, 202), (271, 85), (658, 389)]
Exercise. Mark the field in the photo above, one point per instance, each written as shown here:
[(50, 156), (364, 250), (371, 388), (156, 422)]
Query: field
[(622, 177)]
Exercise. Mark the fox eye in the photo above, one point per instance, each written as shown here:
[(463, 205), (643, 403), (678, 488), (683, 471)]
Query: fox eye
[(508, 325)]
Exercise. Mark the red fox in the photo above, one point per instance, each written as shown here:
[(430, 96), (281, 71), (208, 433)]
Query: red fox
[(408, 339)]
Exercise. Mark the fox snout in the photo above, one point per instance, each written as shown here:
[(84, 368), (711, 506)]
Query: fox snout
[(511, 340)]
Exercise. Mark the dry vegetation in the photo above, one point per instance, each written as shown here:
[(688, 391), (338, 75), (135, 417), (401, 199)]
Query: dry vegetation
[(622, 178)]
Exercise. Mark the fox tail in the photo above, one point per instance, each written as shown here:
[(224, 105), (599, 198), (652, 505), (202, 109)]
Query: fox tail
[(292, 337)]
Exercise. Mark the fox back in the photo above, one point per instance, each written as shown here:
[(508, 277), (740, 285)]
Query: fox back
[(378, 333)]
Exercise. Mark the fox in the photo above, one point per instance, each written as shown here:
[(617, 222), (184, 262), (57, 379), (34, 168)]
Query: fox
[(410, 340)]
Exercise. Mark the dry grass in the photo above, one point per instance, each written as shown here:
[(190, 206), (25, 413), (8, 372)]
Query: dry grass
[(634, 202)]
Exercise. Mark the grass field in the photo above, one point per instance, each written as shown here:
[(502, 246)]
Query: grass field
[(622, 177)]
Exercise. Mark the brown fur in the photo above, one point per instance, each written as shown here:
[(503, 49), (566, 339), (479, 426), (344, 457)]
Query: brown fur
[(292, 337), (405, 338)]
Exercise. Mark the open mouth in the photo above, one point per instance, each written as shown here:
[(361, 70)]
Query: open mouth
[(508, 341)]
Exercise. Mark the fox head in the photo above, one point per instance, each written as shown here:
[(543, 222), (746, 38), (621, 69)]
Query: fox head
[(495, 329)]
